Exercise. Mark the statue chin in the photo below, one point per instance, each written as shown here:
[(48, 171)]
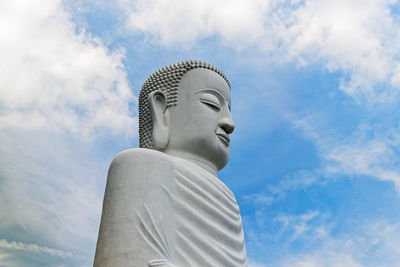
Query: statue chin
[(212, 159)]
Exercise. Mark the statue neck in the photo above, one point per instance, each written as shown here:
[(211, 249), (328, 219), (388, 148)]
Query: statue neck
[(199, 161)]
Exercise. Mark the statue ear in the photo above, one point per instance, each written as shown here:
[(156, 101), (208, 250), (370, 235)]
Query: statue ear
[(157, 103)]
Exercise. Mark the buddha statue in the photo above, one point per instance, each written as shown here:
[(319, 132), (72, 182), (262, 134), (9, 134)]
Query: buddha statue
[(164, 205)]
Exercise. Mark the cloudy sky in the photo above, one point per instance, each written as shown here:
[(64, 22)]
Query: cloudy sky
[(315, 161)]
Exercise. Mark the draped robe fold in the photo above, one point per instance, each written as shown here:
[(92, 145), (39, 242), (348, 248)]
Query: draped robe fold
[(161, 210)]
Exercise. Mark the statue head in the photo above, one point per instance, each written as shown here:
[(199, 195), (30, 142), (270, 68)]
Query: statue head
[(184, 111)]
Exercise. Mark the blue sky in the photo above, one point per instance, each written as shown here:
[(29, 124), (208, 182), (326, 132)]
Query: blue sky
[(315, 156)]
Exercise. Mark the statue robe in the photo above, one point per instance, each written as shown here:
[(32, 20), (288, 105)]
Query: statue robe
[(161, 210)]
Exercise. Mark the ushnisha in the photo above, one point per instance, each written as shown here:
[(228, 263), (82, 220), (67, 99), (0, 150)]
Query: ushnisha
[(164, 204)]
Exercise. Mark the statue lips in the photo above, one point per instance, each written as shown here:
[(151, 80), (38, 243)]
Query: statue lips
[(224, 137)]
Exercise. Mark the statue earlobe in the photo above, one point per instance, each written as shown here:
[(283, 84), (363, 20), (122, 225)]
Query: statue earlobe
[(157, 103)]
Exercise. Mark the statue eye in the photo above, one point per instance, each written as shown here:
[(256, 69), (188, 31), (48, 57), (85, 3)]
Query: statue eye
[(211, 101)]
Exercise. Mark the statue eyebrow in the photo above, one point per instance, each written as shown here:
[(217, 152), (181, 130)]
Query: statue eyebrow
[(215, 91)]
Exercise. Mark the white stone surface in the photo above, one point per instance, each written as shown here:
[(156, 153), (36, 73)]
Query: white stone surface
[(165, 206), (177, 213)]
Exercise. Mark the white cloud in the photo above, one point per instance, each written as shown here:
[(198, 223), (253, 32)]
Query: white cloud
[(261, 198), (299, 225), (324, 243), (255, 264), (273, 193), (371, 150), (57, 77), (318, 260), (369, 245), (377, 157), (34, 248), (357, 37), (184, 22), (58, 84), (51, 190), (296, 181)]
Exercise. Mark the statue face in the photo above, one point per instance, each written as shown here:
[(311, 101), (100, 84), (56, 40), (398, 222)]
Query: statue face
[(201, 122)]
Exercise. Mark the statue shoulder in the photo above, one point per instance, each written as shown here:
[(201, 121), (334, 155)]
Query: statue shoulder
[(141, 161), (140, 170), (139, 155)]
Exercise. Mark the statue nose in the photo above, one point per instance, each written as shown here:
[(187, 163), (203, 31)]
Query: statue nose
[(226, 122)]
